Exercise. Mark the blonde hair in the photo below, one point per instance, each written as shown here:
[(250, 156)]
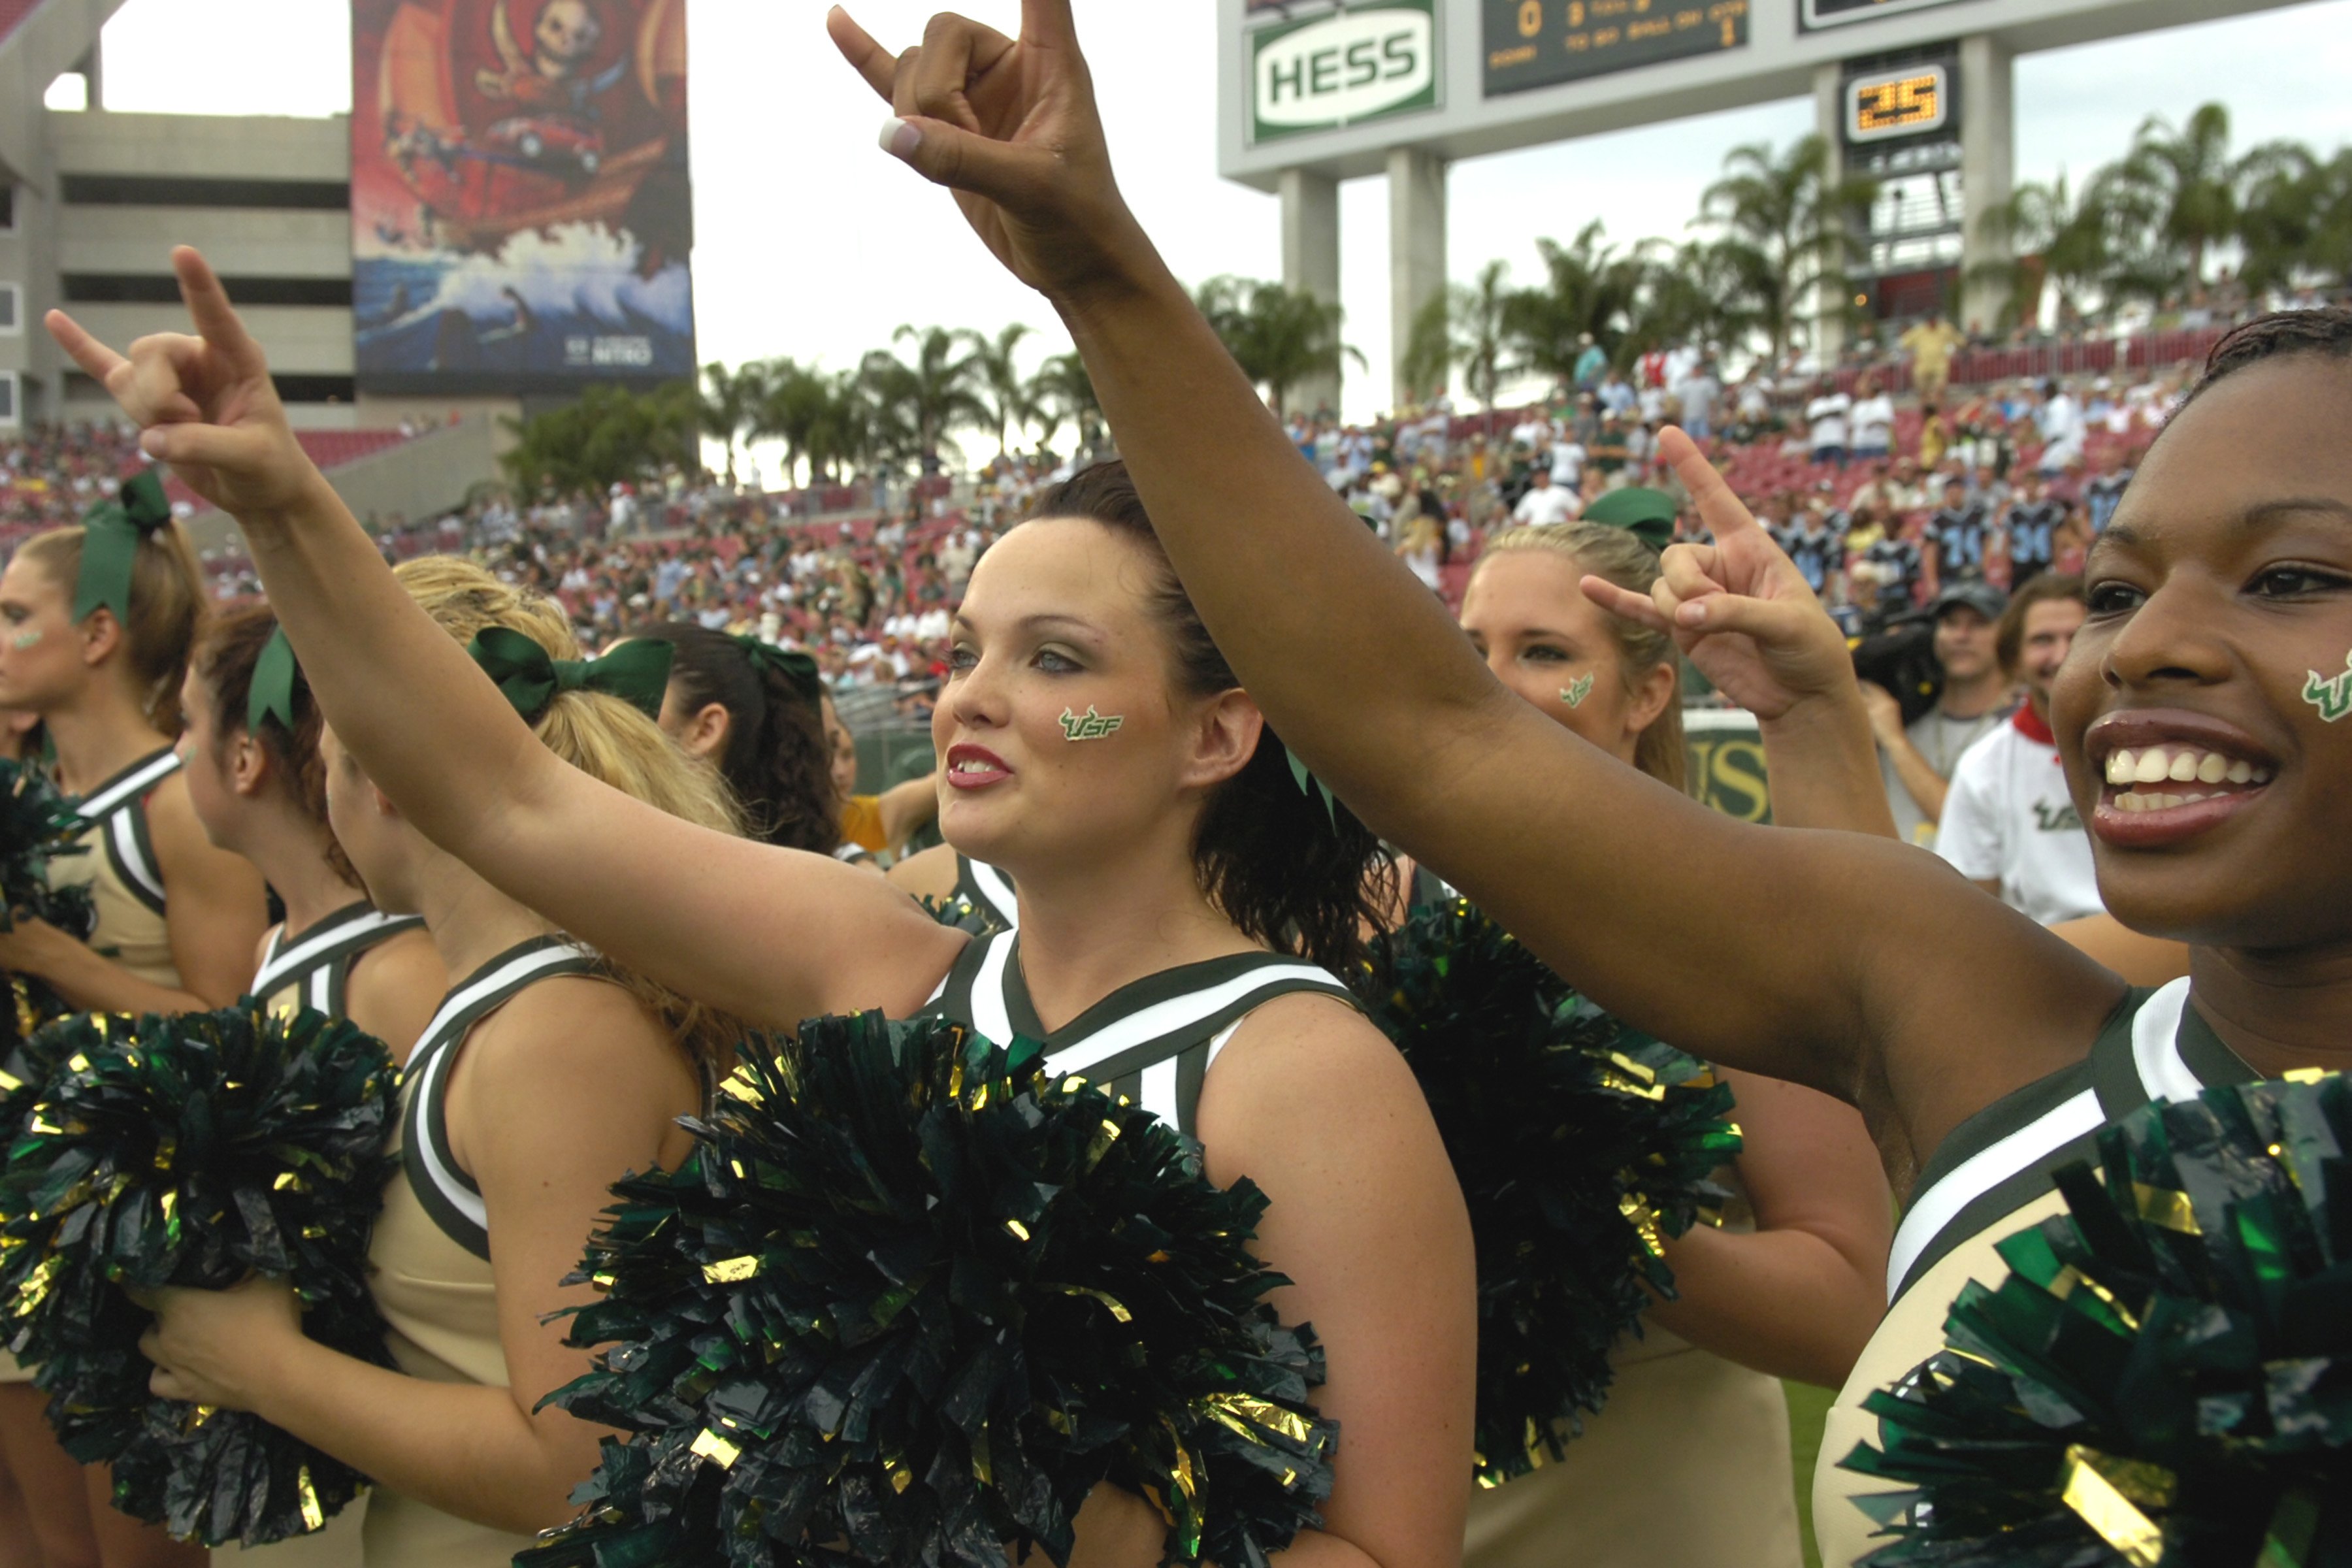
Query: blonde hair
[(169, 605), (1617, 555), (604, 737)]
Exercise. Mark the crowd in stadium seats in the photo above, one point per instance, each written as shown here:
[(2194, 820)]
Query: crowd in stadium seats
[(1881, 498)]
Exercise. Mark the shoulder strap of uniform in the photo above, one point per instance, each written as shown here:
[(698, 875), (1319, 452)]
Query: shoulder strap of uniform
[(128, 785), (989, 891), (959, 996), (1166, 1013), (447, 1193), (320, 960)]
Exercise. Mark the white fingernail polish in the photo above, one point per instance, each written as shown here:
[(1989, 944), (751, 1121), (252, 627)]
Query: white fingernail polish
[(900, 139)]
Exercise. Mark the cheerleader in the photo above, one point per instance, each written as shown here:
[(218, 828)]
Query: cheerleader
[(757, 713), (1792, 1285), (1182, 908), (97, 622), (2198, 718), (260, 786), (544, 1075)]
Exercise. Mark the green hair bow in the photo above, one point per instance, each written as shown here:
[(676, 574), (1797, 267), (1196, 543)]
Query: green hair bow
[(798, 669), (270, 694), (113, 532), (637, 672)]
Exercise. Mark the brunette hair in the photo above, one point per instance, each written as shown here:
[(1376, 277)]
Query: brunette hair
[(1618, 555), (1265, 851), (168, 608), (225, 663), (608, 739), (2042, 588), (778, 758)]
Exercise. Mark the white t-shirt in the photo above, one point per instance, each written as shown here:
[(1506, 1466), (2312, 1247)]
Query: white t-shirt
[(1827, 417), (2009, 818), (1874, 423), (1567, 464), (1545, 507)]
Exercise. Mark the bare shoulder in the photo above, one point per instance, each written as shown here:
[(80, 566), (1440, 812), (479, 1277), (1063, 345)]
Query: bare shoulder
[(1303, 1061), (930, 874), (394, 989), (570, 1036)]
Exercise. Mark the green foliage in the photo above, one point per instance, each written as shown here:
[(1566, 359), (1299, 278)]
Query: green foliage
[(611, 435), (895, 1308), (1785, 222), (1281, 337)]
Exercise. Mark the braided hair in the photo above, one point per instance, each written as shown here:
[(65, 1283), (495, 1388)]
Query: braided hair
[(2326, 332)]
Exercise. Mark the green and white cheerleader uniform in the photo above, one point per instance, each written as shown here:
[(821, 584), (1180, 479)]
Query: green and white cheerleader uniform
[(983, 900), (1991, 1179), (431, 1255), (314, 969), (119, 867), (1153, 1040), (117, 864)]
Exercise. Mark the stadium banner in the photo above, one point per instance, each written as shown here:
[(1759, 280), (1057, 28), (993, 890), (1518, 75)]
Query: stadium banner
[(1323, 72), (521, 213), (1726, 763)]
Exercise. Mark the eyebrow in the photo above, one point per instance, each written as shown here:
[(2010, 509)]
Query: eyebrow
[(1043, 622), (2260, 515)]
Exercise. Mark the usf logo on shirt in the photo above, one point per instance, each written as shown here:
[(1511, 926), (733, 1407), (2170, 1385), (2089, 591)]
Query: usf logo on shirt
[(2060, 818)]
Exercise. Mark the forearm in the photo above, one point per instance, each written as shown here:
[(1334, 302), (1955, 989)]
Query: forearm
[(1787, 1303), (423, 722), (462, 1447), (1926, 786), (908, 806), (1427, 747), (1822, 766), (95, 984)]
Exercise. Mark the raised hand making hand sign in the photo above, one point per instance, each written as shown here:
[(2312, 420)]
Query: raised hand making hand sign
[(203, 403), (1009, 125)]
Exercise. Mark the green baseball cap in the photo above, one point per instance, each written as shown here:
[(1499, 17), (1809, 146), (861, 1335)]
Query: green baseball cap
[(1648, 514)]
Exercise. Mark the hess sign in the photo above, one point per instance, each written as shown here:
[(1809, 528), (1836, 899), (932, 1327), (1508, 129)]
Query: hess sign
[(1365, 63), (1915, 101)]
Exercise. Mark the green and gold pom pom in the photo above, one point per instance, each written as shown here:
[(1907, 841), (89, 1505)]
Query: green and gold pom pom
[(910, 1301), (2164, 1379), (37, 826), (1580, 1144), (194, 1149)]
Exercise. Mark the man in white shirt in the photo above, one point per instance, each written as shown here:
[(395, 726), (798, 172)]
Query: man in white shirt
[(2009, 824), (1545, 504), (1825, 416), (2063, 428)]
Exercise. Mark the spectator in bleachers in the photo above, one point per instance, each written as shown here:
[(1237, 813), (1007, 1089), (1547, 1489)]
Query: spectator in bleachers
[(1918, 759), (1931, 345), (1826, 422), (1956, 535), (2103, 491), (1872, 421), (1545, 504)]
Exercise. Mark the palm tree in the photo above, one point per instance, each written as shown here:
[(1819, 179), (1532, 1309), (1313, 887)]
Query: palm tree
[(2295, 221), (1062, 389), (791, 405), (1701, 291), (2179, 190), (729, 403), (1465, 326), (1788, 222), (1281, 337), (2054, 237), (924, 399), (1589, 288), (999, 378)]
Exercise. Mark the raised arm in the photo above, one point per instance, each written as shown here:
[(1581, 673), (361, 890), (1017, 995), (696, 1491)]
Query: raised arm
[(1611, 877), (772, 935)]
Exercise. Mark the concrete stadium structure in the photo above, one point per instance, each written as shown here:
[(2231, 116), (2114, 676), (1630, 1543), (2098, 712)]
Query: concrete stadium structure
[(92, 202), (1313, 92)]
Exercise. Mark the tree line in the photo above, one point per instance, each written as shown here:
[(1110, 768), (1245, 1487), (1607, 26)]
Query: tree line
[(1769, 251)]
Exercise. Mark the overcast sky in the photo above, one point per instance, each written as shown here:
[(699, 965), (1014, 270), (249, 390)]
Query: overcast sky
[(810, 242)]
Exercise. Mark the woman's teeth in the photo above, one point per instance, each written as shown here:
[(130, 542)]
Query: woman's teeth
[(2180, 764)]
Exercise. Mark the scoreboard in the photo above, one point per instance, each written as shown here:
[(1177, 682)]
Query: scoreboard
[(1541, 43), (1814, 14), (1907, 100)]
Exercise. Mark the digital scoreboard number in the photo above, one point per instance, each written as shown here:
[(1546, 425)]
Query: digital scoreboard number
[(1913, 100), (1542, 43)]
